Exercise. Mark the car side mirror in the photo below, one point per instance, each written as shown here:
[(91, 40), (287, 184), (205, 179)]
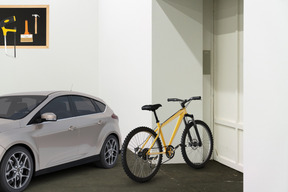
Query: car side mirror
[(49, 117)]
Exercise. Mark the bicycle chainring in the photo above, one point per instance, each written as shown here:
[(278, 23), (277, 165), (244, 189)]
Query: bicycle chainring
[(170, 151)]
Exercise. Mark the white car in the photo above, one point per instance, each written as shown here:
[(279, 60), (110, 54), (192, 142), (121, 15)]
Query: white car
[(42, 132)]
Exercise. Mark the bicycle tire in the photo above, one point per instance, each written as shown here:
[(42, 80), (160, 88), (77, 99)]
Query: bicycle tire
[(194, 155), (137, 165)]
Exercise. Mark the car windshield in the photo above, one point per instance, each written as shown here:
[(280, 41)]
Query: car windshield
[(17, 107)]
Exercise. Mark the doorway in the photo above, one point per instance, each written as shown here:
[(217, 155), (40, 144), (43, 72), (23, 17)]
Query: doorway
[(223, 84)]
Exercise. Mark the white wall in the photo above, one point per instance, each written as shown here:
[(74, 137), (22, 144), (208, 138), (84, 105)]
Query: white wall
[(265, 96), (125, 61), (112, 61), (70, 60), (177, 60)]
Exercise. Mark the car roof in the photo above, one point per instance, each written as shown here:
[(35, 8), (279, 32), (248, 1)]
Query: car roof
[(44, 93), (52, 93)]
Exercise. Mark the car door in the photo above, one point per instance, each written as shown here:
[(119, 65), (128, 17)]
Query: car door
[(90, 123), (57, 141)]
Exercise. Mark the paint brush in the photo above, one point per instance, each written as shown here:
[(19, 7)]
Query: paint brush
[(26, 37)]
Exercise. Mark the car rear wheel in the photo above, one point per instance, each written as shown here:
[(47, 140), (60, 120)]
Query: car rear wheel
[(109, 153), (16, 169)]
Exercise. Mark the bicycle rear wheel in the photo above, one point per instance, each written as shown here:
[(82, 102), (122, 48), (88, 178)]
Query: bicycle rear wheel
[(197, 150), (137, 164)]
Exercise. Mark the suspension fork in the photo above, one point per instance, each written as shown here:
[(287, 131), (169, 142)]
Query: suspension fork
[(195, 127)]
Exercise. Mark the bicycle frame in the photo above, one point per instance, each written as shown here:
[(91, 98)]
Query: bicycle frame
[(181, 114)]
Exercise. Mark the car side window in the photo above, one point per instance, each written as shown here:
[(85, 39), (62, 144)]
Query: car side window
[(17, 107), (83, 105), (100, 106), (59, 106)]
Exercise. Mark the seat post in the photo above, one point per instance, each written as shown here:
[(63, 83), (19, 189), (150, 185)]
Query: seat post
[(157, 120)]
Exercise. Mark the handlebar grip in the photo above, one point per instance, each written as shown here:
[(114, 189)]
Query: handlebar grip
[(10, 19), (196, 98), (173, 99)]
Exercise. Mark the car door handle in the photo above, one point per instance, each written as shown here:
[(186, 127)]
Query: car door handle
[(71, 128), (100, 122)]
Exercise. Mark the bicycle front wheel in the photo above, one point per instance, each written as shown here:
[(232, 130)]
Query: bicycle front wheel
[(139, 164), (197, 144)]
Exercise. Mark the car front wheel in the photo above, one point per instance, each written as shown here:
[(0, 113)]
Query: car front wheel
[(16, 169), (109, 153)]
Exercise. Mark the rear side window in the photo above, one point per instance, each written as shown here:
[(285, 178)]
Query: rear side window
[(100, 106), (83, 105)]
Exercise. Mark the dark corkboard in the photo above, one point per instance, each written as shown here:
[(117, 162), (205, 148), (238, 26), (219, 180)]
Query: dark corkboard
[(22, 13)]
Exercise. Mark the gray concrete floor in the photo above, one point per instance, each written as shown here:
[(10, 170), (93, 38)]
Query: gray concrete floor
[(215, 177)]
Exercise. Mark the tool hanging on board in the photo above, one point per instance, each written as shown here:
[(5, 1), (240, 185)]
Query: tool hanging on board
[(5, 31), (26, 37), (35, 15)]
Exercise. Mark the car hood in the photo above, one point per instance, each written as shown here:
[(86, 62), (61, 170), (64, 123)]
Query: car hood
[(7, 124)]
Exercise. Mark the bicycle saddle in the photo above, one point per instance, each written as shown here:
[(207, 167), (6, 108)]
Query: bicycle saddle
[(151, 107)]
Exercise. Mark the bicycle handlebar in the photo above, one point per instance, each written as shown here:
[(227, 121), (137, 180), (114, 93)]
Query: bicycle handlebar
[(173, 99), (183, 102)]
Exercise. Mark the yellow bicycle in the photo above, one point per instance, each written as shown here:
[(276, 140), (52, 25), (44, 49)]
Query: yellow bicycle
[(142, 149)]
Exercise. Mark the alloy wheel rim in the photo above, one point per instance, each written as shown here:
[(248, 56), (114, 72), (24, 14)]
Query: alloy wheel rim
[(18, 170), (111, 153)]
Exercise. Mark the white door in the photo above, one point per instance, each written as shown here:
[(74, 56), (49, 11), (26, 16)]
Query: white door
[(228, 87)]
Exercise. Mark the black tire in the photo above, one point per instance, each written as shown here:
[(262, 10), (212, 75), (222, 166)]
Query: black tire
[(16, 169), (194, 155), (109, 153), (139, 166)]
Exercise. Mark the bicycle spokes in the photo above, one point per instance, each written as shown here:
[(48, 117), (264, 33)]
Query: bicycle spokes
[(140, 161), (197, 144)]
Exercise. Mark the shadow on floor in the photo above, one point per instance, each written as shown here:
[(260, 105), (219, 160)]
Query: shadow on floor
[(215, 177)]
